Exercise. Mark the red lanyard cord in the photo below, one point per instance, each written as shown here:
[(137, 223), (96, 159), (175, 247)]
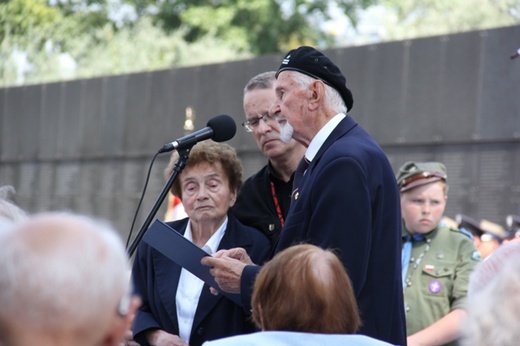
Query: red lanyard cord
[(277, 204)]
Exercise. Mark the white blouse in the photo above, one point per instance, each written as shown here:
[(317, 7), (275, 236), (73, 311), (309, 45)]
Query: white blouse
[(190, 286)]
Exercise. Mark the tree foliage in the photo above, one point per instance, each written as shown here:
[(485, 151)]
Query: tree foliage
[(260, 26), (45, 40), (406, 19)]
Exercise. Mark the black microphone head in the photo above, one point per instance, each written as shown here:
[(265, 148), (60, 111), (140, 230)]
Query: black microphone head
[(224, 127)]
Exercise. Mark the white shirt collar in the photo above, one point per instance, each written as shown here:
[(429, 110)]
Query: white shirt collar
[(212, 244), (322, 135)]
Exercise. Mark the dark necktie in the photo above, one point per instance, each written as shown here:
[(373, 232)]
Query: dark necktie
[(298, 175)]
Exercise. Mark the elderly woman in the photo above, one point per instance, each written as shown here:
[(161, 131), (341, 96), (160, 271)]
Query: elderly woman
[(178, 308)]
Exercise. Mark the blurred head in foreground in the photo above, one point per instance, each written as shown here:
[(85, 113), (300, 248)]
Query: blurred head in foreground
[(305, 289), (63, 281)]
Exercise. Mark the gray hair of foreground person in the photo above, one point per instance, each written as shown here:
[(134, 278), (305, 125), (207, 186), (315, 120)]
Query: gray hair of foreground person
[(305, 288), (493, 302), (63, 281), (10, 213)]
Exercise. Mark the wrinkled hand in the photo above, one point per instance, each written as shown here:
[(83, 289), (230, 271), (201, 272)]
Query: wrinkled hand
[(237, 253), (227, 267), (161, 338)]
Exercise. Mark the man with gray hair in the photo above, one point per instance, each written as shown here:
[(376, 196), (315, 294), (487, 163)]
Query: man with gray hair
[(264, 198), (64, 280), (346, 198)]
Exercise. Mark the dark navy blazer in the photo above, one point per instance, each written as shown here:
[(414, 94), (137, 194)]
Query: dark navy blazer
[(348, 200), (156, 278)]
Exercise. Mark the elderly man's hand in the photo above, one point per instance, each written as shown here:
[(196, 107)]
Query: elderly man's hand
[(227, 266)]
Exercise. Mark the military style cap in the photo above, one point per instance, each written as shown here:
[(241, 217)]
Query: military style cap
[(513, 226), (469, 224), (413, 174), (313, 63), (493, 229)]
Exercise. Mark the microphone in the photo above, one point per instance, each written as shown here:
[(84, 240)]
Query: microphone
[(220, 128)]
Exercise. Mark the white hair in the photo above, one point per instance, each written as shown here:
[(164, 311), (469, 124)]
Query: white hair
[(10, 213), (333, 99), (60, 271), (486, 270), (493, 303)]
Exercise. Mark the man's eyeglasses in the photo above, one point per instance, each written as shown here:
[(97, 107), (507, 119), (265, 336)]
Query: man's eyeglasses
[(252, 124)]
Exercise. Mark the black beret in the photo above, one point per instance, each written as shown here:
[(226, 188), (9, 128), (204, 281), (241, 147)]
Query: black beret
[(313, 63)]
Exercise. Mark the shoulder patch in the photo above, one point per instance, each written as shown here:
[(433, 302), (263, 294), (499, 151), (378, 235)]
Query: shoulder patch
[(476, 256), (463, 231)]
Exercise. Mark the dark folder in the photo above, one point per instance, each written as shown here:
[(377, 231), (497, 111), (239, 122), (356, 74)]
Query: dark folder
[(180, 250)]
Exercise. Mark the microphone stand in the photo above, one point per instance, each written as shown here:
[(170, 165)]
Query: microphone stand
[(184, 155)]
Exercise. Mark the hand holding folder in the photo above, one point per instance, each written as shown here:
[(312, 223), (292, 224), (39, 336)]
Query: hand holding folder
[(180, 250)]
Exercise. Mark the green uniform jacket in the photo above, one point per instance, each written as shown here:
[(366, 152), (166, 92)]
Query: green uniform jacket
[(438, 284)]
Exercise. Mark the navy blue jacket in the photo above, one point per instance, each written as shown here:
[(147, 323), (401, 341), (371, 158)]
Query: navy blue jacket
[(156, 279), (348, 200)]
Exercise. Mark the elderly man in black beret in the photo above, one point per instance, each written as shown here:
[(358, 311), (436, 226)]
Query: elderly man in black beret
[(347, 198)]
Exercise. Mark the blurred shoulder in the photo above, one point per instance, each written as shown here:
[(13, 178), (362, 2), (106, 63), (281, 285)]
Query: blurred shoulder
[(461, 233), (461, 241), (282, 338)]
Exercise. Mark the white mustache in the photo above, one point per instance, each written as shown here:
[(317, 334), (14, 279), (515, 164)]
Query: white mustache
[(286, 130)]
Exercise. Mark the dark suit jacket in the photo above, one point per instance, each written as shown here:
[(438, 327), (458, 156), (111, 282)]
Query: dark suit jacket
[(156, 278), (349, 201)]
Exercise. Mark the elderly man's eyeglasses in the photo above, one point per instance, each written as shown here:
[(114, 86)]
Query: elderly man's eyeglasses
[(252, 124)]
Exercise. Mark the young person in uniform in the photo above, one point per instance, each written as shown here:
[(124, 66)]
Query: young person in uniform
[(436, 260)]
